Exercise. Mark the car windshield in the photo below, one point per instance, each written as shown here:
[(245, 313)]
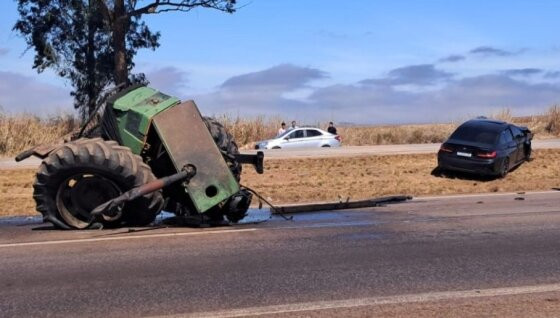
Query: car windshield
[(481, 135), (284, 134)]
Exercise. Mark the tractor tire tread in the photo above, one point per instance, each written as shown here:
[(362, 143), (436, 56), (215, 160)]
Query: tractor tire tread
[(115, 161)]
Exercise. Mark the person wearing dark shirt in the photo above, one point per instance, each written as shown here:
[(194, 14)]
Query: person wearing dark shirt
[(331, 128)]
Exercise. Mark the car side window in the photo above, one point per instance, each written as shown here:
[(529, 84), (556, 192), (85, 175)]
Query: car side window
[(312, 133), (296, 134), (517, 133), (506, 137)]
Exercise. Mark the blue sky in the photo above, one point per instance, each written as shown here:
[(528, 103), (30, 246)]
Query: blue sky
[(353, 61)]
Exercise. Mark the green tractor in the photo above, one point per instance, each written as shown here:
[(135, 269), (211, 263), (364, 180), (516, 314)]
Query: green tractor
[(141, 152)]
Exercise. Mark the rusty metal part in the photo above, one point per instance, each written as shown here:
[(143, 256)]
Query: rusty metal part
[(255, 160), (187, 140), (42, 151), (314, 207), (25, 154), (186, 174)]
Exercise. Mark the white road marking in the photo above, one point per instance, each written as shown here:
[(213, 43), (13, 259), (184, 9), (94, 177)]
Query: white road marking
[(303, 226), (373, 301), (132, 237), (129, 237)]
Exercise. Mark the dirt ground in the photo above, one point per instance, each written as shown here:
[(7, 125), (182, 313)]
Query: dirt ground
[(329, 179)]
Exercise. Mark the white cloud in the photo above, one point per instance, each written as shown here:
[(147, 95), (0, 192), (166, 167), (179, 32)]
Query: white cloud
[(381, 100), (21, 93), (169, 79), (261, 92)]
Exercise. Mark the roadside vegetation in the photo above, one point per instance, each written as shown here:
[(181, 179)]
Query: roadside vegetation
[(18, 132), (332, 179)]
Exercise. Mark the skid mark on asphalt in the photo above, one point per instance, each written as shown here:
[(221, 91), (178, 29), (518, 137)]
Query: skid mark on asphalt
[(373, 301)]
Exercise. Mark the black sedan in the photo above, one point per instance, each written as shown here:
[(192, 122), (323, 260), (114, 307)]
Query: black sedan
[(485, 147)]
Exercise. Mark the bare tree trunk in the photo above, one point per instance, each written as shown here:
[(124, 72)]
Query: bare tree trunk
[(90, 60), (120, 25)]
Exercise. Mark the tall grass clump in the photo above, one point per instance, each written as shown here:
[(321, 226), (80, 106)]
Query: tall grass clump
[(545, 125), (20, 132), (503, 115), (552, 119), (248, 131), (397, 134)]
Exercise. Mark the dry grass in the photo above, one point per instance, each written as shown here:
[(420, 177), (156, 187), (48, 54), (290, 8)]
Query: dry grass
[(305, 180), (16, 192), (327, 179), (398, 134), (18, 133), (246, 132)]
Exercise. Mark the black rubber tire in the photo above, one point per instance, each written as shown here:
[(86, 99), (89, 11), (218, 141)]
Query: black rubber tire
[(226, 144), (438, 171), (106, 160), (235, 208), (528, 151), (504, 168)]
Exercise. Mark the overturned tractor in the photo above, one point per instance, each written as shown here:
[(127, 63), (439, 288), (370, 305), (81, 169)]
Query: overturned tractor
[(140, 152)]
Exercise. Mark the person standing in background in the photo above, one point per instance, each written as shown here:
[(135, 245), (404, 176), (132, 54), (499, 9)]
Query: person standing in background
[(331, 128), (294, 126), (282, 129)]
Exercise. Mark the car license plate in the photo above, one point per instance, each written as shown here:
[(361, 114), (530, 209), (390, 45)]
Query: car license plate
[(464, 154)]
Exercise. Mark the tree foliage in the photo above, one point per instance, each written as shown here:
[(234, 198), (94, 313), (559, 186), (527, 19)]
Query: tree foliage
[(92, 43)]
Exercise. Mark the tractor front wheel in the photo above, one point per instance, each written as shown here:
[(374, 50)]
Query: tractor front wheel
[(235, 208), (82, 174), (226, 144)]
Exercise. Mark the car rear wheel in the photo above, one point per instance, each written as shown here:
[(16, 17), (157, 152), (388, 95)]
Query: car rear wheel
[(438, 171), (325, 146), (504, 169)]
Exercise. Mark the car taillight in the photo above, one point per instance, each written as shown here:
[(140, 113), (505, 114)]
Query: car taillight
[(445, 148), (486, 155), (337, 137)]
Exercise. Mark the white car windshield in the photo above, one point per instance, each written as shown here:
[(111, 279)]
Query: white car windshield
[(284, 134)]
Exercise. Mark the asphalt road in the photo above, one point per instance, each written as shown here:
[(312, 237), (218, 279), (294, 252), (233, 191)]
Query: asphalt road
[(345, 151), (467, 256)]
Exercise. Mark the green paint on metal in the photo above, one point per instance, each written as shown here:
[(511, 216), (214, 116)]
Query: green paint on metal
[(142, 107), (213, 182), (134, 112)]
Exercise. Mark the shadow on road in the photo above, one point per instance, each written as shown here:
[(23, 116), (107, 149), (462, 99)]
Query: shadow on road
[(447, 174)]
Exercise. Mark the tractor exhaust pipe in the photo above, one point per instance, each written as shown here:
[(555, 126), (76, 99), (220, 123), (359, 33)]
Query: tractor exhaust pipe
[(186, 174)]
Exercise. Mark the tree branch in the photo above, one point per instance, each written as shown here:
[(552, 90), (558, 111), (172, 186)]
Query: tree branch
[(160, 6), (146, 9)]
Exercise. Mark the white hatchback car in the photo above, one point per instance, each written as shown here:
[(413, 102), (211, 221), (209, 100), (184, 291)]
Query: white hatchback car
[(304, 137)]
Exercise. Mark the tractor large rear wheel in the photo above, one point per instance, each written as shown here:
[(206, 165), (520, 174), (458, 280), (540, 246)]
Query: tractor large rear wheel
[(235, 208), (82, 174)]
